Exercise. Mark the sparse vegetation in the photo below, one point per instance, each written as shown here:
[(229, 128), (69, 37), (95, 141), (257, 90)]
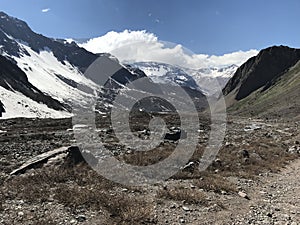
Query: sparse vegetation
[(215, 183), (189, 196), (77, 188)]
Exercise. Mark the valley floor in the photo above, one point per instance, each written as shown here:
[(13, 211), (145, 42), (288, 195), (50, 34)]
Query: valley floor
[(254, 180)]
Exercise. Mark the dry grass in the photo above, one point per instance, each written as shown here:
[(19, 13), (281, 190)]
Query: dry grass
[(189, 196), (265, 156), (78, 187), (122, 208), (145, 158), (215, 183)]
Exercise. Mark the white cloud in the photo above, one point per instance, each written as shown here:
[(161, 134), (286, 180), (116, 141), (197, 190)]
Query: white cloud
[(46, 10), (135, 46)]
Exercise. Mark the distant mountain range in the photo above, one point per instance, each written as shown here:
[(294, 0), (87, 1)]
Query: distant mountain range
[(202, 79), (40, 77)]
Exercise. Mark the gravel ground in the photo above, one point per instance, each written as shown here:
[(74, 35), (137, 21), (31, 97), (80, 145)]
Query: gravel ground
[(245, 189)]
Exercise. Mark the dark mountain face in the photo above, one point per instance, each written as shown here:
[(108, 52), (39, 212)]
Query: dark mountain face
[(261, 70), (267, 85), (13, 78), (19, 30)]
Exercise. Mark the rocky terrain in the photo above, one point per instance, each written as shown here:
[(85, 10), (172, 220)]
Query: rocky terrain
[(246, 184)]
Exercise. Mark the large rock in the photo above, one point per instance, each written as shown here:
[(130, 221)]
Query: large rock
[(70, 153)]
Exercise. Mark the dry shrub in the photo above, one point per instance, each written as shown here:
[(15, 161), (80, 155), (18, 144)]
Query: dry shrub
[(264, 157), (145, 158), (38, 186), (75, 188), (271, 157), (189, 196), (122, 209), (215, 183)]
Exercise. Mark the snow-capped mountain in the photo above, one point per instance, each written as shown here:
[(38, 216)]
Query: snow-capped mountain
[(40, 76), (203, 79), (206, 78), (166, 74)]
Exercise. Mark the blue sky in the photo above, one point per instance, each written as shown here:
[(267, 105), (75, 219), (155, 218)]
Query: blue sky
[(207, 27)]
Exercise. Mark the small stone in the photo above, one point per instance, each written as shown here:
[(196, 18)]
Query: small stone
[(182, 221), (243, 195), (223, 192), (20, 214), (173, 206), (185, 208), (81, 218), (73, 221)]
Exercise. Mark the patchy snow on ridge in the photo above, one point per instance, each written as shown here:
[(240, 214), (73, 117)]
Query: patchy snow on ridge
[(166, 73), (49, 75), (209, 80), (18, 105)]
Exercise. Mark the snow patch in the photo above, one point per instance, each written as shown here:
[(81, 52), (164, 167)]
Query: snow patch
[(18, 105), (42, 70)]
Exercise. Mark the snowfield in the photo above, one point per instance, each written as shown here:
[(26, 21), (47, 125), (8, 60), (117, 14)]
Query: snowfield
[(18, 105), (50, 76), (43, 71)]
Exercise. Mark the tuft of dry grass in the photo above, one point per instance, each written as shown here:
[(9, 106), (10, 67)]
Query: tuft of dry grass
[(215, 183), (189, 196), (145, 158), (263, 157), (122, 209)]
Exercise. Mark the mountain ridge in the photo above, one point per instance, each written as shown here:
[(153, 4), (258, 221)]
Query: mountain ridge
[(51, 70), (267, 84), (203, 79)]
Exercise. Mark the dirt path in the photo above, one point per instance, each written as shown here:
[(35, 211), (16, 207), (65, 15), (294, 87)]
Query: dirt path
[(274, 199)]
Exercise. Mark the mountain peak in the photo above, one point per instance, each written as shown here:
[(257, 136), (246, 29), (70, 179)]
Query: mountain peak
[(260, 70), (12, 25)]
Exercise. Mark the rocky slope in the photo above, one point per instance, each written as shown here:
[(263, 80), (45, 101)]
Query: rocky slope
[(14, 31), (267, 84)]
